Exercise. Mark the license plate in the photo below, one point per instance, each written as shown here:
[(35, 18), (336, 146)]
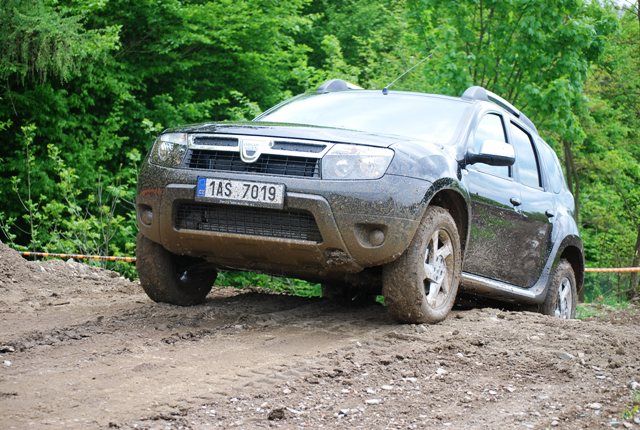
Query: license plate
[(240, 192)]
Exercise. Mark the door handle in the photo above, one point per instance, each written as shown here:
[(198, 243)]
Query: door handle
[(549, 213), (515, 201)]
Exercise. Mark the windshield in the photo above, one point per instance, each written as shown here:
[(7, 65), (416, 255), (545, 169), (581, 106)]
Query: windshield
[(430, 118)]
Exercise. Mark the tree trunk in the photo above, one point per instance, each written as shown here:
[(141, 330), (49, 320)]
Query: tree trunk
[(634, 290)]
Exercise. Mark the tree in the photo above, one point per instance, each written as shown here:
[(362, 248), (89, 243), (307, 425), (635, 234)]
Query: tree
[(93, 83), (609, 161)]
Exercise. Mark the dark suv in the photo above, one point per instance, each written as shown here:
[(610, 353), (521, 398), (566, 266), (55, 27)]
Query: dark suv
[(402, 193)]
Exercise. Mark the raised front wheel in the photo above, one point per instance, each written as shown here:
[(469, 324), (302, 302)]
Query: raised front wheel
[(422, 284)]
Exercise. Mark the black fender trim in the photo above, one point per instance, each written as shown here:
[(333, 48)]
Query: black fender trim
[(572, 249), (451, 185)]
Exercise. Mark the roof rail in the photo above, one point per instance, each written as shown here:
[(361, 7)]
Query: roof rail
[(334, 85), (480, 93)]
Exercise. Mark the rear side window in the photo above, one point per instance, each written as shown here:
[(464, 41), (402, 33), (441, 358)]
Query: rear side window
[(526, 157), (551, 166), (490, 127)]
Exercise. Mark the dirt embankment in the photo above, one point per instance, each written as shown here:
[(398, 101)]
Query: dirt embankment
[(82, 347)]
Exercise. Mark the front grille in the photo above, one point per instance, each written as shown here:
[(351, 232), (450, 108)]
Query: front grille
[(297, 146), (299, 225), (215, 141), (270, 164)]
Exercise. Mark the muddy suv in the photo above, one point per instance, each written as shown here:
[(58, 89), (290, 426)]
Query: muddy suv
[(406, 194)]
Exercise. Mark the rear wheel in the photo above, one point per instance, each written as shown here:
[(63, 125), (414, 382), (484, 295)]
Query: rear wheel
[(170, 278), (562, 294), (421, 285)]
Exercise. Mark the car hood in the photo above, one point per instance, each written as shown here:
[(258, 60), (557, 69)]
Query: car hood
[(293, 131)]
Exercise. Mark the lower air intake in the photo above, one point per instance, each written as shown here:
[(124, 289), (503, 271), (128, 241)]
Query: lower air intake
[(284, 224)]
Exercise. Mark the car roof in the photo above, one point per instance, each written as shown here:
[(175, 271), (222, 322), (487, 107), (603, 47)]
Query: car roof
[(391, 93), (472, 95)]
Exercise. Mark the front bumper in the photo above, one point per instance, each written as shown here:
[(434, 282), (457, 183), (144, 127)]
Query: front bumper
[(345, 212)]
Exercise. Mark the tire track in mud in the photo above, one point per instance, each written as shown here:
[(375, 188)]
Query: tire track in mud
[(187, 323), (478, 369), (247, 341)]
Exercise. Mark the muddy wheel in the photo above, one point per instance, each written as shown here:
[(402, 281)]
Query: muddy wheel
[(562, 294), (170, 278), (421, 285)]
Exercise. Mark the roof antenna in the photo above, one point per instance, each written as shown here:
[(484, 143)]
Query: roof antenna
[(385, 90)]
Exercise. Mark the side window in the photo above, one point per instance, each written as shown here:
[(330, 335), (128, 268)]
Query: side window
[(490, 127), (551, 166), (526, 157)]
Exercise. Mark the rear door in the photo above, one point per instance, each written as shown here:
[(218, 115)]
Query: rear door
[(537, 209), (496, 219)]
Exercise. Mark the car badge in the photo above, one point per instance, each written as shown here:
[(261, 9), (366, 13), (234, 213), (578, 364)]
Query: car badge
[(250, 149)]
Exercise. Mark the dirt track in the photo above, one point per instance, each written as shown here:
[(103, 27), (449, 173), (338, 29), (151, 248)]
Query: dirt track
[(85, 348)]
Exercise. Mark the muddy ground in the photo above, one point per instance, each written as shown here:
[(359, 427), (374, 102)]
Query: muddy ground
[(83, 347)]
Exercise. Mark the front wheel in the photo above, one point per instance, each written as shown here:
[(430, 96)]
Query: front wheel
[(562, 293), (421, 285), (170, 278)]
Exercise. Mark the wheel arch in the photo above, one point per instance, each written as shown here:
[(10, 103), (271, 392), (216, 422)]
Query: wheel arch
[(571, 250), (447, 194)]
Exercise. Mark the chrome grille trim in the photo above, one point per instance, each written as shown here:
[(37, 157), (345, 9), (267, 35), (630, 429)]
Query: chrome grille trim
[(276, 145)]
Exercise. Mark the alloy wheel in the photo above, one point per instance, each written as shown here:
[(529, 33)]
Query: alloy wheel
[(564, 300), (438, 268)]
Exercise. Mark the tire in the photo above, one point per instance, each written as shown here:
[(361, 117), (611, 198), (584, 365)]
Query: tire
[(170, 278), (562, 294), (421, 286)]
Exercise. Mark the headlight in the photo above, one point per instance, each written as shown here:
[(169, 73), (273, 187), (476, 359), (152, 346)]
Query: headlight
[(169, 149), (355, 162)]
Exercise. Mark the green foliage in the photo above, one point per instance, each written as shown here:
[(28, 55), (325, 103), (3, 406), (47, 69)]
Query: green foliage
[(68, 218), (606, 288), (601, 308), (85, 87), (608, 161), (39, 40), (283, 285), (634, 410)]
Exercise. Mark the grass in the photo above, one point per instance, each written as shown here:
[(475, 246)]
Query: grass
[(296, 287), (634, 409), (602, 297), (608, 288), (599, 308)]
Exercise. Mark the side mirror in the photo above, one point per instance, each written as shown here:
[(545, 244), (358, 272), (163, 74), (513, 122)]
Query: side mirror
[(494, 153)]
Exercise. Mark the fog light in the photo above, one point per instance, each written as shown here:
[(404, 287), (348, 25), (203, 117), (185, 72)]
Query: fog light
[(376, 237), (146, 214)]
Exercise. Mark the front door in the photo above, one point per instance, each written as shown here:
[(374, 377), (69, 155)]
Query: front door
[(538, 209), (496, 217)]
